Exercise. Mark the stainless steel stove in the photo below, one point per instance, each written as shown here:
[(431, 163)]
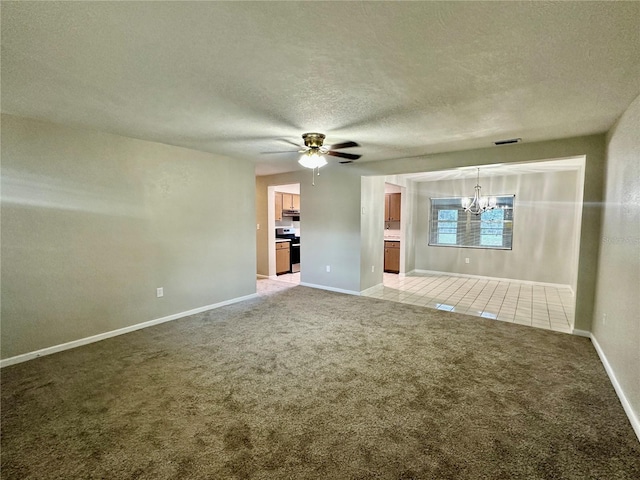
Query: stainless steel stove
[(290, 234)]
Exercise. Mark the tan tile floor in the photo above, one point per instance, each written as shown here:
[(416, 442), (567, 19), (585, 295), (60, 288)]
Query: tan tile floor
[(266, 286), (539, 306)]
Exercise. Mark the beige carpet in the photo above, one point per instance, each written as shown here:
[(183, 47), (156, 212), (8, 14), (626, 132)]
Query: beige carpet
[(306, 384)]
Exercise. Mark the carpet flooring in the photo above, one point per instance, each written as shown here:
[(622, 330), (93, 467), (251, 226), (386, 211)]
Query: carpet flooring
[(307, 384)]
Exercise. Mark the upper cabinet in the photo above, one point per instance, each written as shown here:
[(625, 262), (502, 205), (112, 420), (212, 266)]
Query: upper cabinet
[(392, 207), (278, 206), (290, 201), (286, 201)]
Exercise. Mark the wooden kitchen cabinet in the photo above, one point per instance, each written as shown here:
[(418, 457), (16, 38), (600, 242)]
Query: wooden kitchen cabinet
[(283, 258), (278, 207), (392, 207), (290, 201), (392, 257)]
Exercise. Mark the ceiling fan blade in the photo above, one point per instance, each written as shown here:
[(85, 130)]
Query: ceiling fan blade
[(284, 151), (291, 143), (345, 161), (338, 146), (349, 156)]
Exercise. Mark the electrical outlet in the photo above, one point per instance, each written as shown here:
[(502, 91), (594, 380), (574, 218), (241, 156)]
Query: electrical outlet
[(328, 268), (604, 319), (466, 260), (373, 268), (258, 226), (159, 292)]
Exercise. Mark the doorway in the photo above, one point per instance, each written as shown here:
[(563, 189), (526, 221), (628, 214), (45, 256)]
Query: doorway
[(284, 224), (393, 239)]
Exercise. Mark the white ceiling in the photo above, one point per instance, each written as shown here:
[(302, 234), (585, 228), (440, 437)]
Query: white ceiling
[(400, 78), (499, 170)]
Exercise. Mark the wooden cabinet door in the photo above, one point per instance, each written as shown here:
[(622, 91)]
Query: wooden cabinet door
[(295, 200), (283, 261), (287, 201), (394, 207), (386, 207), (392, 257), (278, 207)]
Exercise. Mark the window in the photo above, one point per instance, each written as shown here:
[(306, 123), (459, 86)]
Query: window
[(451, 226), (448, 226)]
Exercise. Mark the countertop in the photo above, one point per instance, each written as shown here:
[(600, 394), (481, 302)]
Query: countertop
[(282, 240)]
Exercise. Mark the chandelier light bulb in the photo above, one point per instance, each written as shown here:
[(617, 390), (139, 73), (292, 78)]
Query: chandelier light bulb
[(478, 204)]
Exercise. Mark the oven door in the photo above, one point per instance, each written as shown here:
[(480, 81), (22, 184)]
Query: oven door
[(295, 257)]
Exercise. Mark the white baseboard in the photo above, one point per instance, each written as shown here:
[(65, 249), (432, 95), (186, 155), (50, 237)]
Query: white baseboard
[(331, 289), (369, 290), (482, 277), (114, 333), (633, 418)]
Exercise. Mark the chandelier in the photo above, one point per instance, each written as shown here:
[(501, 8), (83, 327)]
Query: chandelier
[(478, 204)]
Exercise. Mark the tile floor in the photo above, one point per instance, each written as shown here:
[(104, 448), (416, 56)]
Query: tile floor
[(538, 306), (267, 286)]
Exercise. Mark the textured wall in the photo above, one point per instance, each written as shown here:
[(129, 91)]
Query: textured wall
[(616, 322), (93, 223), (372, 232), (329, 222), (543, 229)]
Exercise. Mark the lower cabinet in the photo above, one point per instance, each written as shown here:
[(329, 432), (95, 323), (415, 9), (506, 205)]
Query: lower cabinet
[(392, 257), (283, 259)]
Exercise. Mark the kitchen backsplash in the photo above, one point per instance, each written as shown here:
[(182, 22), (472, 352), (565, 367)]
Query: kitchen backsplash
[(392, 234), (288, 222)]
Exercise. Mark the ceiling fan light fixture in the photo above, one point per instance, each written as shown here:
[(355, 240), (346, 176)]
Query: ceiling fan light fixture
[(312, 159)]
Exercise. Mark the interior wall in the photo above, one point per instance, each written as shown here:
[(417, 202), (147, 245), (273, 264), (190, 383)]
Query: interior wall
[(544, 225), (93, 223), (577, 228), (372, 232), (330, 219), (411, 226), (616, 325)]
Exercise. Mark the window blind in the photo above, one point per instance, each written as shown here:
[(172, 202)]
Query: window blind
[(451, 226)]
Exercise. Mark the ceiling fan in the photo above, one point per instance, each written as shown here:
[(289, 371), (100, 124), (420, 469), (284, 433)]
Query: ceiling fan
[(313, 145), (313, 150)]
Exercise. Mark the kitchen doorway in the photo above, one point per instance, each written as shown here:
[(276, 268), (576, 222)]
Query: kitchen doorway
[(284, 232), (394, 258)]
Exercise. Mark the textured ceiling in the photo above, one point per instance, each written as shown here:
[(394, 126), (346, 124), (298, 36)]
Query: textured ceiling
[(402, 79), (499, 170)]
